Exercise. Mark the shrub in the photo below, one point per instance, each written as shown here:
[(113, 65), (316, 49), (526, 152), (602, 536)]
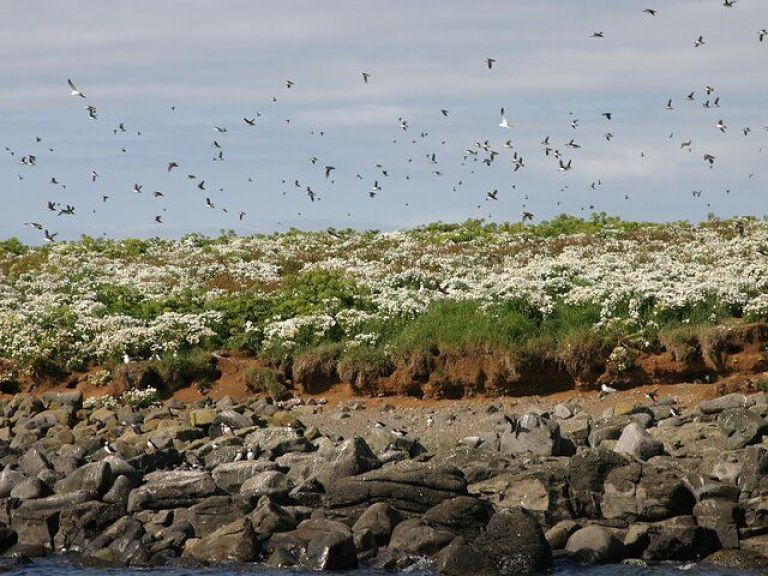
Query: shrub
[(140, 398), (101, 378), (620, 361), (45, 369), (264, 380), (184, 368)]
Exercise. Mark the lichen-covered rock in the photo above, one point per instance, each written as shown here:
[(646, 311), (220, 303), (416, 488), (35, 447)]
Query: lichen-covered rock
[(741, 427)]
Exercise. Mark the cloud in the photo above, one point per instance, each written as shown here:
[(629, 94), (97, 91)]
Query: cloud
[(219, 62)]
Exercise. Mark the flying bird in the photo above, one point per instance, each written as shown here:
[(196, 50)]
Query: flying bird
[(366, 76), (504, 123), (490, 62), (721, 126), (75, 91)]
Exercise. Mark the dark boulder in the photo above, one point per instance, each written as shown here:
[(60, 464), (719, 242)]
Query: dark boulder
[(462, 559), (515, 543), (463, 515), (587, 472)]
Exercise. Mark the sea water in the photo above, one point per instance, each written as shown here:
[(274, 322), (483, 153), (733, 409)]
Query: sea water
[(62, 567)]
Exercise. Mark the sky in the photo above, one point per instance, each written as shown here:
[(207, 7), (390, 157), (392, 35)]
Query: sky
[(171, 71)]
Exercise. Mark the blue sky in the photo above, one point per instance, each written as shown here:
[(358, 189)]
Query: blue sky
[(220, 62)]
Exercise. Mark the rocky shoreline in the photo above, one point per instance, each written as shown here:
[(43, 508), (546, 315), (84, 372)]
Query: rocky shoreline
[(228, 482)]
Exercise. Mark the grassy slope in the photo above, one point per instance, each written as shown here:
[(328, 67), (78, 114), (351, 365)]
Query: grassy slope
[(513, 328)]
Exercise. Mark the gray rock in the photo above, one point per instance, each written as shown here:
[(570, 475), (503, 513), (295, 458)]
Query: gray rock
[(319, 544), (270, 518), (595, 545), (587, 472), (577, 429), (562, 411), (645, 493), (636, 442), (33, 462), (30, 488), (94, 478), (35, 520), (417, 537), (210, 514), (680, 539), (532, 433), (235, 542), (272, 483), (603, 433), (276, 441), (722, 517), (379, 519), (558, 535), (471, 441), (79, 524), (741, 427), (224, 454), (8, 479), (410, 487), (230, 418), (717, 405), (231, 475), (119, 492), (352, 457), (281, 558), (754, 468), (173, 489), (129, 551)]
